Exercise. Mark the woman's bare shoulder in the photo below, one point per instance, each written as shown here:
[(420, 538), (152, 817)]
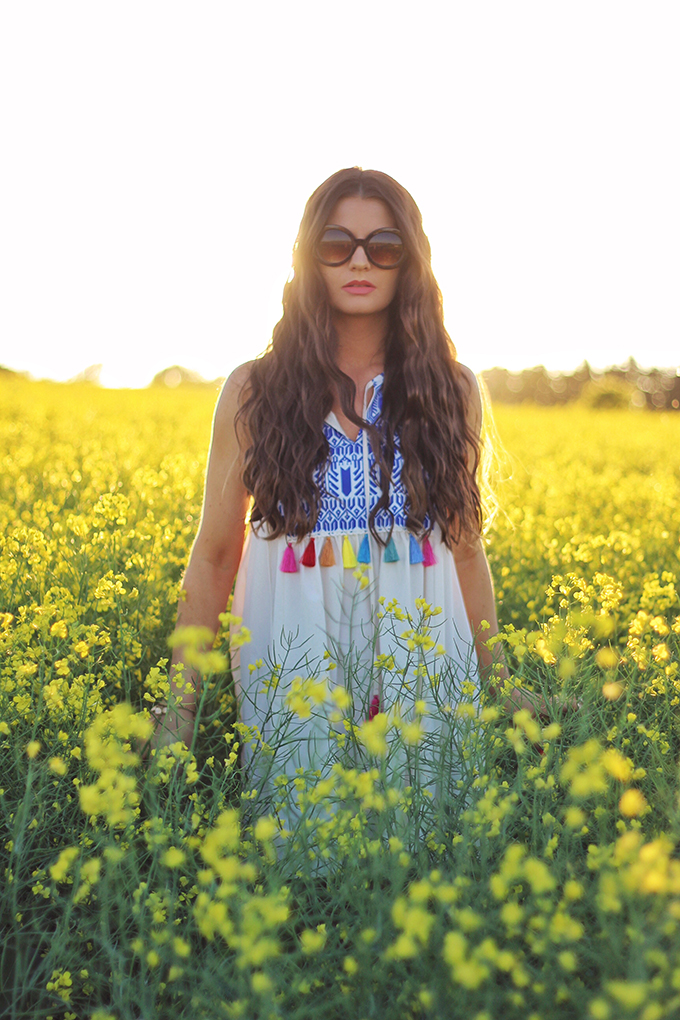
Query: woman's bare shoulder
[(239, 378), (233, 390), (468, 375), (474, 396)]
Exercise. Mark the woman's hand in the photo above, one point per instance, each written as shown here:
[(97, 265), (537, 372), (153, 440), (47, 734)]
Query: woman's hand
[(537, 705), (171, 724)]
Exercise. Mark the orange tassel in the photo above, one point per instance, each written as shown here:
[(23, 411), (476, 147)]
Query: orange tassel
[(327, 556)]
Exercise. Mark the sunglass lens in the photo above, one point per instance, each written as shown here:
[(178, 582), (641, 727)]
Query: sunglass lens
[(386, 249), (334, 247)]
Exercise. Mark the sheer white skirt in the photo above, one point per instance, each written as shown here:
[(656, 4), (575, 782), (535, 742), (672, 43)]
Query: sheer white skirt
[(302, 623)]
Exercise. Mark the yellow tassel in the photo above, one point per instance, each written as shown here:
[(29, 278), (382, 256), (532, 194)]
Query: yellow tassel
[(349, 559), (327, 556)]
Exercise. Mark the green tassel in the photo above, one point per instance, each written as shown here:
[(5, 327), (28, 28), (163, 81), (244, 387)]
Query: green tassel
[(391, 554)]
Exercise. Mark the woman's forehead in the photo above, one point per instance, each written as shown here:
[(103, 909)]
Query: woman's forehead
[(361, 215)]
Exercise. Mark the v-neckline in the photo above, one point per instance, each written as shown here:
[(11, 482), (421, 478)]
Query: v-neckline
[(332, 418)]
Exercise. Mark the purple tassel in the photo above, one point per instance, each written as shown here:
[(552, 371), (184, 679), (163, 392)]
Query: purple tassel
[(288, 564)]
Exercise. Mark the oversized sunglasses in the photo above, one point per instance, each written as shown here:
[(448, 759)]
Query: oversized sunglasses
[(384, 248)]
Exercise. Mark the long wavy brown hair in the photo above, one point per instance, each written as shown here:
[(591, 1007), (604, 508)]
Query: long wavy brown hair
[(425, 393)]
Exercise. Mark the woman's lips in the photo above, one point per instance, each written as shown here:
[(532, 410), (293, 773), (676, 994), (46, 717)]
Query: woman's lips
[(359, 287)]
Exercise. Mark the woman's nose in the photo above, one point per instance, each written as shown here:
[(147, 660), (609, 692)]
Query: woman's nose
[(359, 258)]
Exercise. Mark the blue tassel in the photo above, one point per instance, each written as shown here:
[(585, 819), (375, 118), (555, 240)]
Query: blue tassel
[(391, 554), (415, 553), (364, 554)]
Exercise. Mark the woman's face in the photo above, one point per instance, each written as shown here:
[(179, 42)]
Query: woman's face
[(360, 216)]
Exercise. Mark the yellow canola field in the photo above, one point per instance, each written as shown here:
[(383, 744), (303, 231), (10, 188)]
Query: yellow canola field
[(550, 887)]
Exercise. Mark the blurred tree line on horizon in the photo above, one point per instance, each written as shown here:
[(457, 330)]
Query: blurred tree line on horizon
[(619, 386), (622, 386)]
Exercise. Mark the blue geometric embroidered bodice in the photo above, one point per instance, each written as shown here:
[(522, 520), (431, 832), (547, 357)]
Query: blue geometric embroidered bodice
[(348, 481)]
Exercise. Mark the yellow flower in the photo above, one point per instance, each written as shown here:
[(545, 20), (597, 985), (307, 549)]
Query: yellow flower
[(313, 941), (240, 637), (455, 948), (261, 983), (341, 697), (32, 748), (511, 914), (372, 734), (568, 961), (58, 766), (538, 875), (61, 983), (61, 867), (265, 829), (350, 965), (573, 890), (617, 766), (632, 803), (90, 799), (661, 653), (490, 714), (607, 658), (612, 691), (566, 668), (26, 669), (630, 994), (412, 732), (173, 857)]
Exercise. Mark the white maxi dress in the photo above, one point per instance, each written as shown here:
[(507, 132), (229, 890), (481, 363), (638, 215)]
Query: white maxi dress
[(347, 611)]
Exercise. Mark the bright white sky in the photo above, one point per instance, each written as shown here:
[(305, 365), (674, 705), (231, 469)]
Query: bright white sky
[(156, 158)]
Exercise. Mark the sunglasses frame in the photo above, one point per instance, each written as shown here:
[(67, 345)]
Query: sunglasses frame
[(360, 242)]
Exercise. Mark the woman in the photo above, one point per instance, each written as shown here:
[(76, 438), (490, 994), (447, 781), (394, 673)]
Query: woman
[(356, 436)]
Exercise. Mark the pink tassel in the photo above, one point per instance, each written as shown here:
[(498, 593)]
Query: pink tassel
[(429, 558), (288, 564), (374, 707)]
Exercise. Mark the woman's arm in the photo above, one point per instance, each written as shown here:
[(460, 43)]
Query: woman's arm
[(215, 554), (474, 575), (476, 585)]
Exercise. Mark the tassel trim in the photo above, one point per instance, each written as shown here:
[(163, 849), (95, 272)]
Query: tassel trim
[(308, 558), (288, 564), (349, 559), (429, 558), (327, 555), (364, 554), (391, 555), (415, 553)]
